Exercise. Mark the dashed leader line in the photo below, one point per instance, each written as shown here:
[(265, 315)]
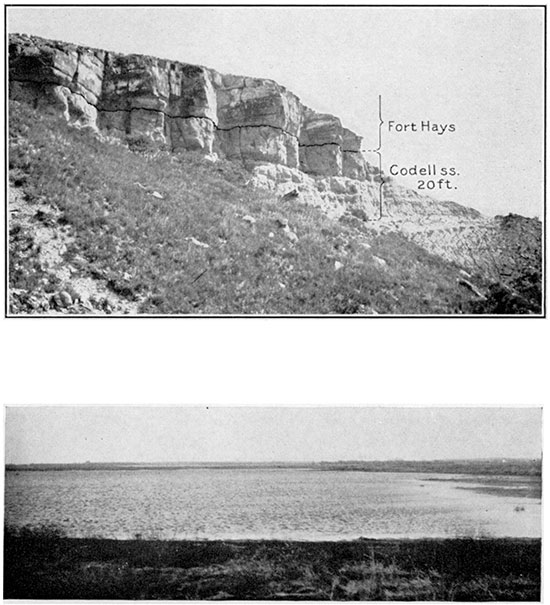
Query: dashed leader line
[(379, 154)]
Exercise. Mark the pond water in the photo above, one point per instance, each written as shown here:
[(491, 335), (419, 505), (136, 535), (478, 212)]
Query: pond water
[(283, 504)]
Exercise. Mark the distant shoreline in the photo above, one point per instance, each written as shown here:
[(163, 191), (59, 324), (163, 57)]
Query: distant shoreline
[(522, 467)]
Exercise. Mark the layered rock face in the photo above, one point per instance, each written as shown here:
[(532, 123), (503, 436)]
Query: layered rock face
[(189, 107), (170, 103), (182, 106), (53, 75), (258, 120)]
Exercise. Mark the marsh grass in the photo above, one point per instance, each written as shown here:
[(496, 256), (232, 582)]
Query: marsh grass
[(42, 564)]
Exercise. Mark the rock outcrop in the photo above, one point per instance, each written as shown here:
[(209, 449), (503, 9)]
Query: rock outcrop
[(338, 195), (189, 107), (182, 106)]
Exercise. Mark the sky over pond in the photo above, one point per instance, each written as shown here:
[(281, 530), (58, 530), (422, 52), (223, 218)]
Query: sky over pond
[(480, 69), (193, 434)]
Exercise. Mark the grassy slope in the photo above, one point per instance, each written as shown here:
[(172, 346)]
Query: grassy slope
[(140, 246), (40, 565)]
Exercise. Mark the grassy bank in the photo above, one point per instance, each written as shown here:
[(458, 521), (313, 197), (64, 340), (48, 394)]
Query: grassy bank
[(42, 564)]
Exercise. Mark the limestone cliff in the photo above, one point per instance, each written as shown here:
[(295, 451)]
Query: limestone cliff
[(189, 107), (182, 106)]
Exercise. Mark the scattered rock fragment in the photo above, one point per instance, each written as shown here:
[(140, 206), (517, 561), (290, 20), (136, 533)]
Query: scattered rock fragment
[(197, 242), (108, 306), (338, 265), (291, 235), (249, 219), (360, 214), (467, 284), (291, 195), (149, 191), (65, 299), (86, 304), (281, 222), (222, 596), (379, 261)]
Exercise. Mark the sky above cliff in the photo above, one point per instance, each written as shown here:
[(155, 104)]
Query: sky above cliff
[(479, 69), (162, 434)]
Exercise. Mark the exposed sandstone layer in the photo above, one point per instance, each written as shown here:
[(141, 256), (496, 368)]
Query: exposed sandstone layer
[(182, 106), (498, 247), (338, 195)]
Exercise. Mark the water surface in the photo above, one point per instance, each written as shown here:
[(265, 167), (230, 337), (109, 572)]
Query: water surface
[(268, 503)]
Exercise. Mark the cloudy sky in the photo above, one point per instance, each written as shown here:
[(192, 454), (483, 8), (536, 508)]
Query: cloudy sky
[(479, 69), (162, 434)]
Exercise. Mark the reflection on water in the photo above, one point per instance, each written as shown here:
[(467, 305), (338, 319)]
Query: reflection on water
[(289, 504)]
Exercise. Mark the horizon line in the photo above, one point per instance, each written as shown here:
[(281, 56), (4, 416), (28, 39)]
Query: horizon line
[(338, 461)]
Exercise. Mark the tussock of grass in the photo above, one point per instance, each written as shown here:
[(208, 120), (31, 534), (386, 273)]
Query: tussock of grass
[(41, 564), (145, 248)]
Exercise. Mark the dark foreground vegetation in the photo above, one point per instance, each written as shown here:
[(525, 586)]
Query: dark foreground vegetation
[(114, 228), (41, 563)]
